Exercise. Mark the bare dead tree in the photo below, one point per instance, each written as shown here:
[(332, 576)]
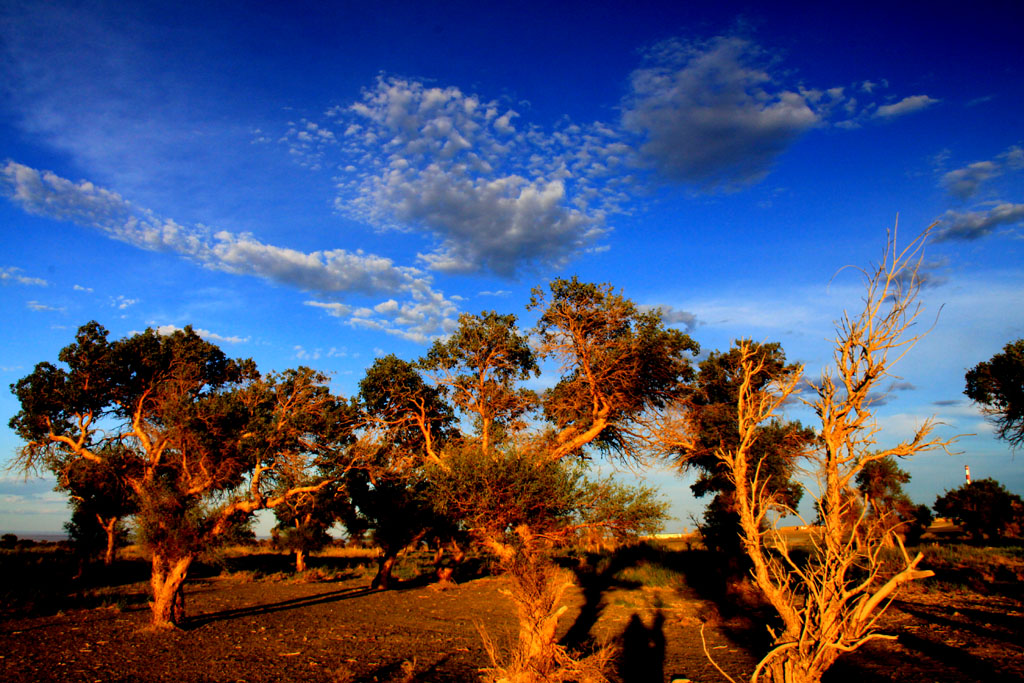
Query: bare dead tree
[(830, 604)]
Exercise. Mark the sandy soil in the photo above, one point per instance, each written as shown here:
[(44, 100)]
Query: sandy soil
[(241, 629)]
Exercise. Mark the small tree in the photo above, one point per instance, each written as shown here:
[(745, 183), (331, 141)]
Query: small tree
[(998, 386), (101, 500), (522, 506), (830, 604), (618, 365), (984, 508), (304, 520)]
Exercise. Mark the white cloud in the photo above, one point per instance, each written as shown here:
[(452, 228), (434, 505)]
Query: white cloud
[(36, 306), (972, 225), (491, 197), (165, 330), (302, 354), (905, 106), (964, 182), (710, 116), (12, 275), (80, 288), (122, 303), (332, 273), (333, 308)]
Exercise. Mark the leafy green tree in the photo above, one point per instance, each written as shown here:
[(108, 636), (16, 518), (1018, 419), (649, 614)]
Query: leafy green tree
[(998, 386), (618, 364), (479, 366), (206, 439), (411, 424), (402, 412), (303, 521), (984, 508), (707, 422)]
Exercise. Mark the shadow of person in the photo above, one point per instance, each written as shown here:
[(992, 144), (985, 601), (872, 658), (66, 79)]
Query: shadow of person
[(643, 651)]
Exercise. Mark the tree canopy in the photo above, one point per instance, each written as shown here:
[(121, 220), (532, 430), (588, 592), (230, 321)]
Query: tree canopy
[(617, 364), (984, 508), (998, 386), (200, 439), (479, 366)]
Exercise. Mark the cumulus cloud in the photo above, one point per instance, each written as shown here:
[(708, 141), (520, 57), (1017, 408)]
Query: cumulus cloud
[(12, 275), (427, 317), (972, 225), (490, 195), (331, 273), (905, 106), (710, 115)]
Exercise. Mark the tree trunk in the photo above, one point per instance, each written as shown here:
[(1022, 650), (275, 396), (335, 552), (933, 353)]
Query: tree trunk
[(300, 560), (167, 581), (788, 668), (110, 527), (385, 564)]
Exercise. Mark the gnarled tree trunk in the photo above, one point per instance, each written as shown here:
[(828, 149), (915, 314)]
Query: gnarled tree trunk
[(300, 560), (167, 581)]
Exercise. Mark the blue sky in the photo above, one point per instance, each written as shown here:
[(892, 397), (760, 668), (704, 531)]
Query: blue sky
[(318, 183)]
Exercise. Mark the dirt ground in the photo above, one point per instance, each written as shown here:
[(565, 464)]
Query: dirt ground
[(240, 629)]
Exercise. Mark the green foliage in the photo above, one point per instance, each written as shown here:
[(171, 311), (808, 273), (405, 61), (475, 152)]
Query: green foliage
[(496, 493), (998, 385), (984, 508), (479, 365), (617, 363), (410, 414), (199, 440), (711, 413)]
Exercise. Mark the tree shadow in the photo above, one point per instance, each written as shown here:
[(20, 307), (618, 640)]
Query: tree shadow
[(195, 622), (597, 574), (642, 659), (977, 624)]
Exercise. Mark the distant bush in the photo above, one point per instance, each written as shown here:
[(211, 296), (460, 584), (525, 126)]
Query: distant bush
[(985, 509)]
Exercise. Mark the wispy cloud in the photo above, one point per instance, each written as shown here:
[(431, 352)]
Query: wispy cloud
[(331, 273), (11, 275), (37, 306), (493, 197), (905, 106), (972, 225), (965, 182)]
